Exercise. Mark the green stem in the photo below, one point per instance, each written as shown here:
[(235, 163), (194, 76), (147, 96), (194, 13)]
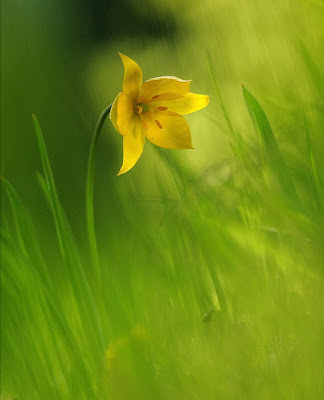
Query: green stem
[(90, 186)]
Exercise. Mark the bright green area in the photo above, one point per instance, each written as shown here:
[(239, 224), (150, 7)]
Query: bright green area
[(210, 276)]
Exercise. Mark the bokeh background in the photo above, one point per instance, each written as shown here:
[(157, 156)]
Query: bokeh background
[(210, 280)]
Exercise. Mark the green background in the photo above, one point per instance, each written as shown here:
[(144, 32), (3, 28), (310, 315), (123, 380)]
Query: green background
[(210, 282)]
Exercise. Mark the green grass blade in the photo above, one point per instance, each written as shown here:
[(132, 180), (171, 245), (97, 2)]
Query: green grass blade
[(237, 140), (271, 155), (59, 222), (313, 168), (24, 289), (219, 96), (26, 235), (67, 244), (315, 71)]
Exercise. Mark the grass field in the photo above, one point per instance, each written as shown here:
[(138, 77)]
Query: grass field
[(209, 279)]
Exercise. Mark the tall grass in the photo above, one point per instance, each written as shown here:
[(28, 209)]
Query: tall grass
[(222, 297), (208, 283)]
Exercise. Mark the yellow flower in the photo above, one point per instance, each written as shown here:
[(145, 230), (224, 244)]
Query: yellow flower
[(152, 109)]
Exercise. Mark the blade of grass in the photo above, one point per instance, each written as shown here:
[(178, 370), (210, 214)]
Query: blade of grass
[(271, 155), (236, 138), (26, 234), (314, 70), (84, 283), (313, 168), (66, 240), (55, 321), (59, 220)]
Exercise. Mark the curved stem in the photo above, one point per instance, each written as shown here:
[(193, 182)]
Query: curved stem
[(90, 186)]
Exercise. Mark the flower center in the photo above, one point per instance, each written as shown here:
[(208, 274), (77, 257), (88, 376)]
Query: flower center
[(142, 108), (138, 109)]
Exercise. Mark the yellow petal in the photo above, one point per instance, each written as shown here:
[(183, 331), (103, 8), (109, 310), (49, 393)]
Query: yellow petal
[(167, 129), (113, 112), (132, 77), (133, 144), (122, 113), (164, 88), (190, 103)]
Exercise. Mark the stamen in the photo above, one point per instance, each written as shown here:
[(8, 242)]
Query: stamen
[(156, 96), (162, 108), (140, 99), (144, 124), (158, 123)]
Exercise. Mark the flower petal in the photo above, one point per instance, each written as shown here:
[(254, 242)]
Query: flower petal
[(167, 129), (190, 103), (133, 144), (113, 112), (164, 88), (122, 112), (132, 77)]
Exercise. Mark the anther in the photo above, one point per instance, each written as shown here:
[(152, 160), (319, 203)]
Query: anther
[(144, 124), (156, 96), (162, 108), (158, 123)]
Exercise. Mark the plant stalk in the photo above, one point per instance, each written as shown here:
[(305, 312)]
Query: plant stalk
[(90, 187)]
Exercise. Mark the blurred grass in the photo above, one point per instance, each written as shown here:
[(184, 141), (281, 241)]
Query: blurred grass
[(211, 261)]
